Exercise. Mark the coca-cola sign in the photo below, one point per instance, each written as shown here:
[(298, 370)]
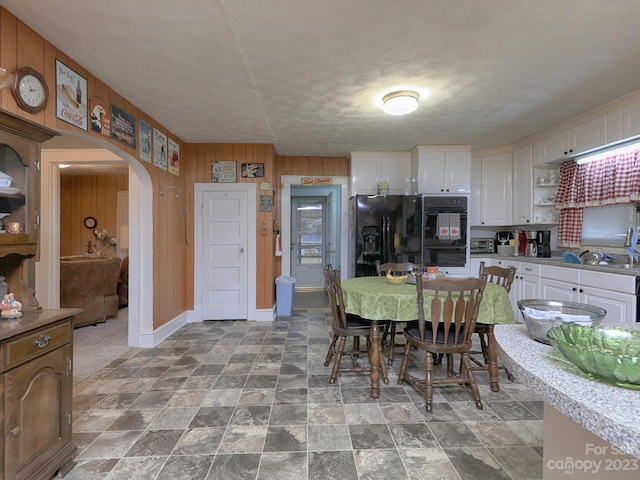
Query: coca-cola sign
[(71, 96), (71, 117)]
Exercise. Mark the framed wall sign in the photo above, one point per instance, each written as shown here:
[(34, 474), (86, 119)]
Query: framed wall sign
[(253, 170), (159, 149), (266, 202), (100, 117), (174, 157), (123, 126), (223, 172), (144, 140), (71, 96)]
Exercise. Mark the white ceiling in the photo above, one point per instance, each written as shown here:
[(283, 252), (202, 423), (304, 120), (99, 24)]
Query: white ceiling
[(307, 75)]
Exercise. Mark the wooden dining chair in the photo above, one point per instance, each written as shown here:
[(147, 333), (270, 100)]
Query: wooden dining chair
[(390, 334), (503, 277), (452, 314), (331, 274), (346, 325)]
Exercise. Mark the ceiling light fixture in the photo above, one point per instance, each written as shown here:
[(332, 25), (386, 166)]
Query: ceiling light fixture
[(401, 102)]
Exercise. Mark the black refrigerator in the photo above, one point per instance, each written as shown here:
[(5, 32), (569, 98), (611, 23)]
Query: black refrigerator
[(387, 228)]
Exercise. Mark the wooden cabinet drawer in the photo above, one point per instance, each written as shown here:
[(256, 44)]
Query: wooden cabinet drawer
[(25, 347)]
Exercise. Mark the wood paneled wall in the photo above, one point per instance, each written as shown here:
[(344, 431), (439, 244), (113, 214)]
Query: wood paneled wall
[(201, 156), (82, 196), (172, 216), (311, 166), (21, 46)]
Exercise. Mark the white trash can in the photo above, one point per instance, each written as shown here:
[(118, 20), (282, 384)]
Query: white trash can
[(284, 295)]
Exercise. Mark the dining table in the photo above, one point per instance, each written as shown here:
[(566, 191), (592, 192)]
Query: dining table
[(376, 299)]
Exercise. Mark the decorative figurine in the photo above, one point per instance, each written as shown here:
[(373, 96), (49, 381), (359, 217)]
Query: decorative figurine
[(10, 307)]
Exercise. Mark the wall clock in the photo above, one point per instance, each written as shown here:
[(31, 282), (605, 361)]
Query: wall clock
[(90, 223), (30, 90)]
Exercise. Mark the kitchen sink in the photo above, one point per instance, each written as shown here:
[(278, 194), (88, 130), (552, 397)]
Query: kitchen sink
[(623, 266)]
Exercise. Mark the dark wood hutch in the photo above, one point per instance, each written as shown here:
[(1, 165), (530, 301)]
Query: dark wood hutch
[(36, 350)]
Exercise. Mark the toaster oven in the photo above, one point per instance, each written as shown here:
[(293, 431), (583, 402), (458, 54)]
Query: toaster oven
[(482, 245)]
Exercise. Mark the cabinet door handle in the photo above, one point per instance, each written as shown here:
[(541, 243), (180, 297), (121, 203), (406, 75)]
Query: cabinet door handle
[(14, 431), (41, 342), (575, 289)]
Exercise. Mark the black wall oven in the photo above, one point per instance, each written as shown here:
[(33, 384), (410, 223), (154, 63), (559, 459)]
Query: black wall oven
[(445, 240)]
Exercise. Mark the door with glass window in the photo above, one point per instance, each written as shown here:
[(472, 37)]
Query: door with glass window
[(309, 246)]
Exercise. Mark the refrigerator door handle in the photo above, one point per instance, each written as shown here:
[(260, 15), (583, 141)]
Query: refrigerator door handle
[(386, 250)]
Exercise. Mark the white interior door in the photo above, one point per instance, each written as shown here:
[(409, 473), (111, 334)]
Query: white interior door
[(309, 245), (225, 246)]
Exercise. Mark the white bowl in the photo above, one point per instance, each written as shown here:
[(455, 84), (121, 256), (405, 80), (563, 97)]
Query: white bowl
[(5, 180)]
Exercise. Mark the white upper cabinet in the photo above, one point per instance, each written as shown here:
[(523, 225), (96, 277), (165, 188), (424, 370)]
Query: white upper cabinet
[(589, 135), (496, 191), (370, 168), (522, 186), (475, 199), (441, 169), (631, 120), (550, 148)]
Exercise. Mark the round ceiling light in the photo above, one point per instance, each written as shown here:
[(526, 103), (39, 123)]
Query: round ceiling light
[(401, 102)]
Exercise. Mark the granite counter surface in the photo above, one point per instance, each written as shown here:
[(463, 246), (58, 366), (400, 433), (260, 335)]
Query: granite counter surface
[(556, 261), (611, 412)]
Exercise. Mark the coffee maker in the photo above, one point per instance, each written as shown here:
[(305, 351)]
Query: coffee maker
[(543, 240), (531, 249)]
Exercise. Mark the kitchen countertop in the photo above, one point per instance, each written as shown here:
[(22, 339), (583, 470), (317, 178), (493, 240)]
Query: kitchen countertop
[(557, 261), (611, 412)]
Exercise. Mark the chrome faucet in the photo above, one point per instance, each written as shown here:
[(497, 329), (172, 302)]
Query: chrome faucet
[(631, 248)]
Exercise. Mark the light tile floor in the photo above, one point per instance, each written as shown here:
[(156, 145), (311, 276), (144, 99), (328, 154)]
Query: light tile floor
[(252, 400)]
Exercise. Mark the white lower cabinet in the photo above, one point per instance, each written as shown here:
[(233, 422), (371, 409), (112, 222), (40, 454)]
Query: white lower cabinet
[(474, 264), (620, 307), (526, 284), (615, 293)]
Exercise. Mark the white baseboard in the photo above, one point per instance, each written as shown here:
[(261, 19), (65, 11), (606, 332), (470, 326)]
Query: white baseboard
[(261, 315), (153, 339), (266, 314)]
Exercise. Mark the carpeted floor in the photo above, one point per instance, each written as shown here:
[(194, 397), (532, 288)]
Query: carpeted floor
[(96, 346)]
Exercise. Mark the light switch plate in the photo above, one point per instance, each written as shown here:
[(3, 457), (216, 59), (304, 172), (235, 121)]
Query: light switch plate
[(265, 186)]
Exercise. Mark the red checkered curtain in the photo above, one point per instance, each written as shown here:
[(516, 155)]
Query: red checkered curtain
[(570, 228), (570, 202), (627, 178), (607, 181)]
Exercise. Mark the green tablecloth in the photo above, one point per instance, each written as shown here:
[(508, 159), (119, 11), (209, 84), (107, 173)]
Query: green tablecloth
[(376, 299)]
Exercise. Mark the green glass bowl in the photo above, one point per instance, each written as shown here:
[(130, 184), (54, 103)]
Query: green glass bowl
[(610, 353)]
